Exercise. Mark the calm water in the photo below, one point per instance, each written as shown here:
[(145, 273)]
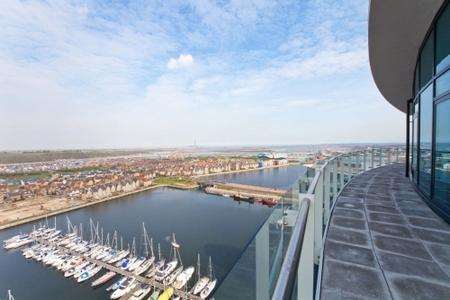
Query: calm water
[(212, 225), (282, 177)]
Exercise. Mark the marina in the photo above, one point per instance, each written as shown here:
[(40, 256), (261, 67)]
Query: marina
[(74, 256), (209, 224)]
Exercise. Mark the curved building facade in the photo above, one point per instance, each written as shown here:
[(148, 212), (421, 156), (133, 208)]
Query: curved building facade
[(409, 50)]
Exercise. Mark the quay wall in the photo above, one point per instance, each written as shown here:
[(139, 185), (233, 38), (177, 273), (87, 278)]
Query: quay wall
[(86, 204)]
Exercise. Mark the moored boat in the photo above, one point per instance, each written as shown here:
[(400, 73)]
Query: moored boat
[(124, 288), (171, 278), (103, 279), (183, 278)]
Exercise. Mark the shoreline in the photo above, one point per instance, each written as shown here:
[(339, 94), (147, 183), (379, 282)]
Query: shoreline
[(86, 204), (248, 170)]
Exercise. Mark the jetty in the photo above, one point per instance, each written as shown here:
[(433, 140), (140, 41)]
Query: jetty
[(251, 193), (47, 241)]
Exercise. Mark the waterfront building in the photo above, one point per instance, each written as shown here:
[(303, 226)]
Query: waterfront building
[(371, 223), (410, 62)]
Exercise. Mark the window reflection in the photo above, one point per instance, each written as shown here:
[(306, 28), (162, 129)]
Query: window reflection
[(426, 61), (414, 142), (442, 165), (443, 40), (443, 83), (426, 131)]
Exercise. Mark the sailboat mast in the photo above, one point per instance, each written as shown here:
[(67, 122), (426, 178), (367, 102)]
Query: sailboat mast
[(144, 232), (198, 266), (151, 247), (210, 268), (159, 251), (115, 240), (133, 247)]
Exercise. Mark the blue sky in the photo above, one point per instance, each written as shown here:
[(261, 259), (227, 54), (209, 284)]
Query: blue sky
[(99, 74)]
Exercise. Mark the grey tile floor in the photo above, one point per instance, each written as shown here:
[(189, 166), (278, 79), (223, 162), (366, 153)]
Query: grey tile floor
[(384, 242)]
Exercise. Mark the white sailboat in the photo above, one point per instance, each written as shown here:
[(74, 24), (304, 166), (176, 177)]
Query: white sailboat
[(211, 284), (183, 278), (201, 281), (124, 288), (168, 268)]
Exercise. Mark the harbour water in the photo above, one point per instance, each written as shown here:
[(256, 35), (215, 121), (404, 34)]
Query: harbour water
[(281, 177), (211, 225)]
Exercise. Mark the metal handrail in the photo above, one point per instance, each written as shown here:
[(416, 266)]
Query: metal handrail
[(286, 280), (315, 212)]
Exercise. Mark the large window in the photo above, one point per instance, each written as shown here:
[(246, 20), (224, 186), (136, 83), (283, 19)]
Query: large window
[(443, 40), (414, 141), (430, 117), (427, 61), (442, 162), (443, 83), (426, 132)]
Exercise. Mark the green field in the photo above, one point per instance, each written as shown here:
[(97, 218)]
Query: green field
[(175, 181)]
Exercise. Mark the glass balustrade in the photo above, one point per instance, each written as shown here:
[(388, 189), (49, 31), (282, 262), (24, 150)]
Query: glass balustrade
[(256, 274)]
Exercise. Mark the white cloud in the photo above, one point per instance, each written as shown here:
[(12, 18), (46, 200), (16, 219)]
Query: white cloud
[(183, 61), (101, 75)]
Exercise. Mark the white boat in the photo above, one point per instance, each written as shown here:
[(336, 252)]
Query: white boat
[(52, 234), (69, 272), (103, 279), (15, 238), (141, 292), (83, 270), (171, 278), (168, 268), (103, 253), (79, 246), (200, 285), (76, 269), (50, 257), (89, 274), (18, 243), (94, 250), (29, 253), (208, 289), (72, 263), (139, 261), (110, 255), (120, 255), (126, 262), (144, 266), (116, 284), (124, 288), (153, 269), (183, 278)]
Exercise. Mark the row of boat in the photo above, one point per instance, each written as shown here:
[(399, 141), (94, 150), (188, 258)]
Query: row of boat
[(82, 260)]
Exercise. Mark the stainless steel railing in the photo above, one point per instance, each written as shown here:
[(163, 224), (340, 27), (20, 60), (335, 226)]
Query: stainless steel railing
[(304, 252), (282, 259)]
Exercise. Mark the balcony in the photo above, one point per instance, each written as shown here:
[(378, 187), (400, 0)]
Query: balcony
[(355, 228), (384, 242)]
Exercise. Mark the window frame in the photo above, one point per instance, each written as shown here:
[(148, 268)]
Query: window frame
[(417, 90)]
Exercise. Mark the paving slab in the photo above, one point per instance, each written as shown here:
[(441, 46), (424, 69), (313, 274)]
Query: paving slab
[(384, 242)]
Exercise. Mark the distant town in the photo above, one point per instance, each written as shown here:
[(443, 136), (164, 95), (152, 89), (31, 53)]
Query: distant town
[(35, 188)]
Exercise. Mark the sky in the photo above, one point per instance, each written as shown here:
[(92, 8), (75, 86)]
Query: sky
[(124, 74)]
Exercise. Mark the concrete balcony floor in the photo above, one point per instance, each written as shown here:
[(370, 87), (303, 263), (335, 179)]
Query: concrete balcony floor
[(384, 242)]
